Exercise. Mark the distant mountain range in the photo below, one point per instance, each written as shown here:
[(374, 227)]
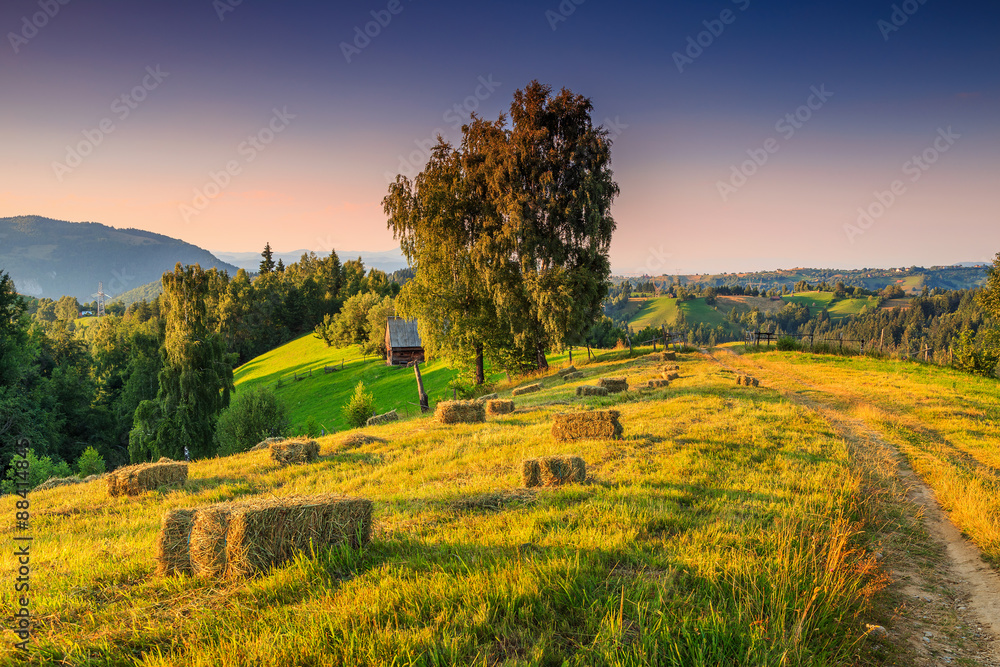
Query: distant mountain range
[(388, 261), (51, 258)]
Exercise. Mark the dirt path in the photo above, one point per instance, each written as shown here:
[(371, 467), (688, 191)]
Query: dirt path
[(950, 602)]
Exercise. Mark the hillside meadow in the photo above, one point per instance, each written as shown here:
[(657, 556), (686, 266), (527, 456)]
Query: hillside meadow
[(730, 525)]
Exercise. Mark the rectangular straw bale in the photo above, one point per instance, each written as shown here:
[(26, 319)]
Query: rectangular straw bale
[(669, 376), (590, 390), (460, 412), (594, 424), (295, 451), (384, 418), (173, 554), (755, 382), (670, 356), (656, 384), (526, 389), (133, 480), (570, 377), (269, 533), (567, 370), (671, 367), (739, 380), (553, 471), (613, 385), (488, 397), (498, 407), (209, 534)]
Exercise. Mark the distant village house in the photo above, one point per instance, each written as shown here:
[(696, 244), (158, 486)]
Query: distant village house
[(402, 342)]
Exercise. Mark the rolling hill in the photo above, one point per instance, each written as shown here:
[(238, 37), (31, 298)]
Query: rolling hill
[(320, 395), (729, 525), (51, 258)]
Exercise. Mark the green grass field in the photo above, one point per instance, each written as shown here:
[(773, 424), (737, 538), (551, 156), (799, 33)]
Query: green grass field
[(729, 526), (815, 301), (841, 308), (660, 311), (321, 395)]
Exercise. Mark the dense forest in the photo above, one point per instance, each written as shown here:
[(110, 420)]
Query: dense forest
[(67, 388)]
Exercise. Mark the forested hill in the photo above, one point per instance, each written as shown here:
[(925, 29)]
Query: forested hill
[(912, 280), (52, 258)]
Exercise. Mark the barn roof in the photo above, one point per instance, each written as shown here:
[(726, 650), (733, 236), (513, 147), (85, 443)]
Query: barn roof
[(403, 333)]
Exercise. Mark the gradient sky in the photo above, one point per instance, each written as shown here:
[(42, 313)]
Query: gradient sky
[(227, 68)]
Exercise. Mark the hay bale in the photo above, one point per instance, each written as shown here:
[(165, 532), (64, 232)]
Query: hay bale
[(657, 384), (164, 459), (498, 407), (265, 444), (670, 367), (526, 389), (133, 480), (268, 533), (739, 379), (570, 377), (669, 376), (670, 356), (567, 370), (488, 397), (460, 412), (613, 385), (92, 478), (590, 390), (207, 545), (594, 424), (755, 382), (358, 439), (295, 451), (56, 482), (173, 554), (384, 418), (553, 471)]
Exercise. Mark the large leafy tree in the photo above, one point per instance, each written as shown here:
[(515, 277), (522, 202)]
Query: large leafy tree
[(439, 219), (196, 379), (509, 235)]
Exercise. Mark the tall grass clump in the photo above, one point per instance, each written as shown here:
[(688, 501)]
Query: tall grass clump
[(360, 407)]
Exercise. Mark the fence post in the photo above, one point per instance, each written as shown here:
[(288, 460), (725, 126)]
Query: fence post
[(571, 355), (629, 339), (588, 351)]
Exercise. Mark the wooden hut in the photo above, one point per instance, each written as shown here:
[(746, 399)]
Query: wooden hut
[(402, 342)]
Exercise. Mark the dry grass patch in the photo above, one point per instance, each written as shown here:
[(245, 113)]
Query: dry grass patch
[(295, 451), (526, 389), (133, 480), (385, 418), (553, 471), (499, 407), (460, 412), (594, 424), (613, 385), (495, 501), (359, 439)]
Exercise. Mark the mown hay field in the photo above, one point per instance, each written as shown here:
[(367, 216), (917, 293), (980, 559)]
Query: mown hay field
[(726, 527)]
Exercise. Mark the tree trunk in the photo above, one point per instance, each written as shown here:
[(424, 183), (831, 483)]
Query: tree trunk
[(424, 403), (543, 364), (480, 372)]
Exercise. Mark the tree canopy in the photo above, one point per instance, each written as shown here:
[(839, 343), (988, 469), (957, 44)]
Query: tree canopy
[(509, 233)]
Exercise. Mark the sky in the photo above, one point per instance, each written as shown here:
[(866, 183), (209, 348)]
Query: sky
[(748, 135)]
